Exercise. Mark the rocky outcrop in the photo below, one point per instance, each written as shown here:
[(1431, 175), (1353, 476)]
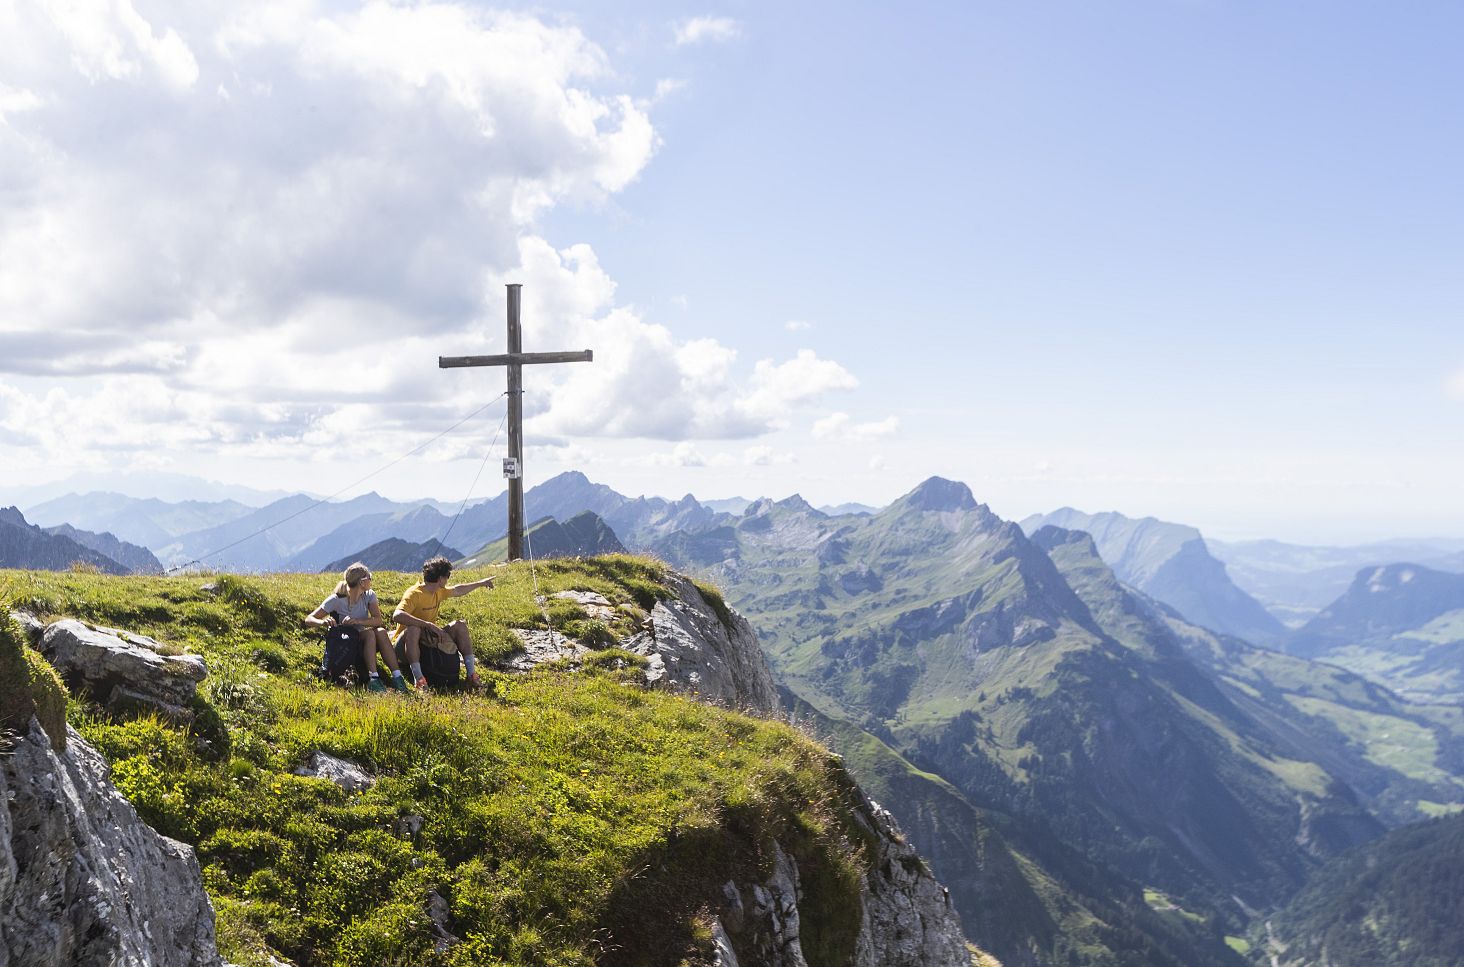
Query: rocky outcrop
[(690, 646), (120, 669), (700, 650), (908, 918), (905, 918), (83, 881)]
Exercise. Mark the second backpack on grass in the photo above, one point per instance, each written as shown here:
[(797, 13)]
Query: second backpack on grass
[(442, 669)]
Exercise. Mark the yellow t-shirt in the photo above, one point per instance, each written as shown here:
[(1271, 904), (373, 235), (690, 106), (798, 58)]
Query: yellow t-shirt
[(421, 602)]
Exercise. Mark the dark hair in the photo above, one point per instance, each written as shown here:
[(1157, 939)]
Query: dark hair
[(436, 569)]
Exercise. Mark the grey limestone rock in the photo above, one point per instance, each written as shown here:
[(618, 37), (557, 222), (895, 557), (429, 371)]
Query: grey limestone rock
[(905, 917), (117, 668), (31, 626), (83, 881), (692, 650), (541, 647), (347, 775)]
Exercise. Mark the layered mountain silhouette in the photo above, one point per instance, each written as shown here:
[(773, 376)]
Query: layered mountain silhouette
[(150, 522), (137, 559), (1295, 581), (1170, 562), (583, 535), (394, 554), (24, 545)]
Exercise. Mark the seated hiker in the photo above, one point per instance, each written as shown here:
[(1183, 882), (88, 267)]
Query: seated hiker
[(353, 605), (416, 619)]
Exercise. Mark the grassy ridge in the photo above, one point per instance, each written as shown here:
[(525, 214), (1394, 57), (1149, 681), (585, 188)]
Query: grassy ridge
[(567, 819)]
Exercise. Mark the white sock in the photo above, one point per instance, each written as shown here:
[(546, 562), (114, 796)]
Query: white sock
[(471, 663), (396, 673), (374, 675), (416, 669)]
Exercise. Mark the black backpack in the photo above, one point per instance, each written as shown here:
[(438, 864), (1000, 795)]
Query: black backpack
[(442, 669), (342, 658)]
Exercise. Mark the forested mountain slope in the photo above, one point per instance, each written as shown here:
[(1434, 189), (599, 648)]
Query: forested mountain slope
[(1396, 902)]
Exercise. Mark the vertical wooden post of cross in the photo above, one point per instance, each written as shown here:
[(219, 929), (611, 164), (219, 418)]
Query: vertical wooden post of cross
[(514, 360)]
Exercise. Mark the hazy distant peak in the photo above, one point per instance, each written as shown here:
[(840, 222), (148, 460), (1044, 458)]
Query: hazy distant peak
[(12, 515), (569, 476), (940, 494), (1050, 536), (796, 502)]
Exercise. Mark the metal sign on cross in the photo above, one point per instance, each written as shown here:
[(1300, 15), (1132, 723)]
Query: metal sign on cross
[(515, 360)]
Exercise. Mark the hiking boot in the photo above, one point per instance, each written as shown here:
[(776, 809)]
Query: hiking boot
[(399, 683), (422, 684), (474, 681), (374, 685)]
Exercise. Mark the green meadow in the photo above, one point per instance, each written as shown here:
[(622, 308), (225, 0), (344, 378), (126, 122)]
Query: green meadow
[(560, 817)]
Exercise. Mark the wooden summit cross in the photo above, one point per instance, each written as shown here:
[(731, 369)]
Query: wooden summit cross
[(514, 359)]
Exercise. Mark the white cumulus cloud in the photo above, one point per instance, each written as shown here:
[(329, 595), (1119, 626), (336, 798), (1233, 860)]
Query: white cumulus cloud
[(703, 30), (838, 426), (253, 228)]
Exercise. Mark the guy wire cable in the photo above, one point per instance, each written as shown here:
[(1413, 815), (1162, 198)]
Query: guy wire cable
[(263, 530), (442, 541), (539, 599)]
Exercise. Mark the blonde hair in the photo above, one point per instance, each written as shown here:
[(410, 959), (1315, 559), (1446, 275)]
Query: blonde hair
[(354, 575)]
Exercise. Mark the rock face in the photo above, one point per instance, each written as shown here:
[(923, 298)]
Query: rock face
[(906, 918), (83, 881), (693, 649), (118, 670)]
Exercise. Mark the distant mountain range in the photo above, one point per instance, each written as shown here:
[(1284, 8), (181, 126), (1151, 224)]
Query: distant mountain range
[(24, 545), (583, 535), (1170, 562), (1400, 624), (1075, 719), (150, 522), (394, 554), (159, 485), (1296, 581)]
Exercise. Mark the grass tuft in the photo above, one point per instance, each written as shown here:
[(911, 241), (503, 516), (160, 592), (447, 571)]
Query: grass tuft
[(28, 686)]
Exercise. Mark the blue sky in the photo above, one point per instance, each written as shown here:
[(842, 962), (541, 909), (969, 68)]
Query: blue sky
[(1202, 260)]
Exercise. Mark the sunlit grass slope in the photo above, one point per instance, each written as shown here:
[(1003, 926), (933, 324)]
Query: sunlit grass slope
[(565, 818)]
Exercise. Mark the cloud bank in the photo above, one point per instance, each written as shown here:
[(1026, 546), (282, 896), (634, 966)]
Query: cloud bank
[(254, 227)]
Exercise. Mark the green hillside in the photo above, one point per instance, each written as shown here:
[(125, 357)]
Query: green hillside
[(1405, 759), (560, 818), (1401, 625), (1032, 898), (1397, 902)]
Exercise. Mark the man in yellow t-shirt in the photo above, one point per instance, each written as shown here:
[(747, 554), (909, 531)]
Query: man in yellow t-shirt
[(416, 620)]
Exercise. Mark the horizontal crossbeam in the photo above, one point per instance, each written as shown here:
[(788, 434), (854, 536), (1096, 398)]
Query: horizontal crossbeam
[(509, 359)]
